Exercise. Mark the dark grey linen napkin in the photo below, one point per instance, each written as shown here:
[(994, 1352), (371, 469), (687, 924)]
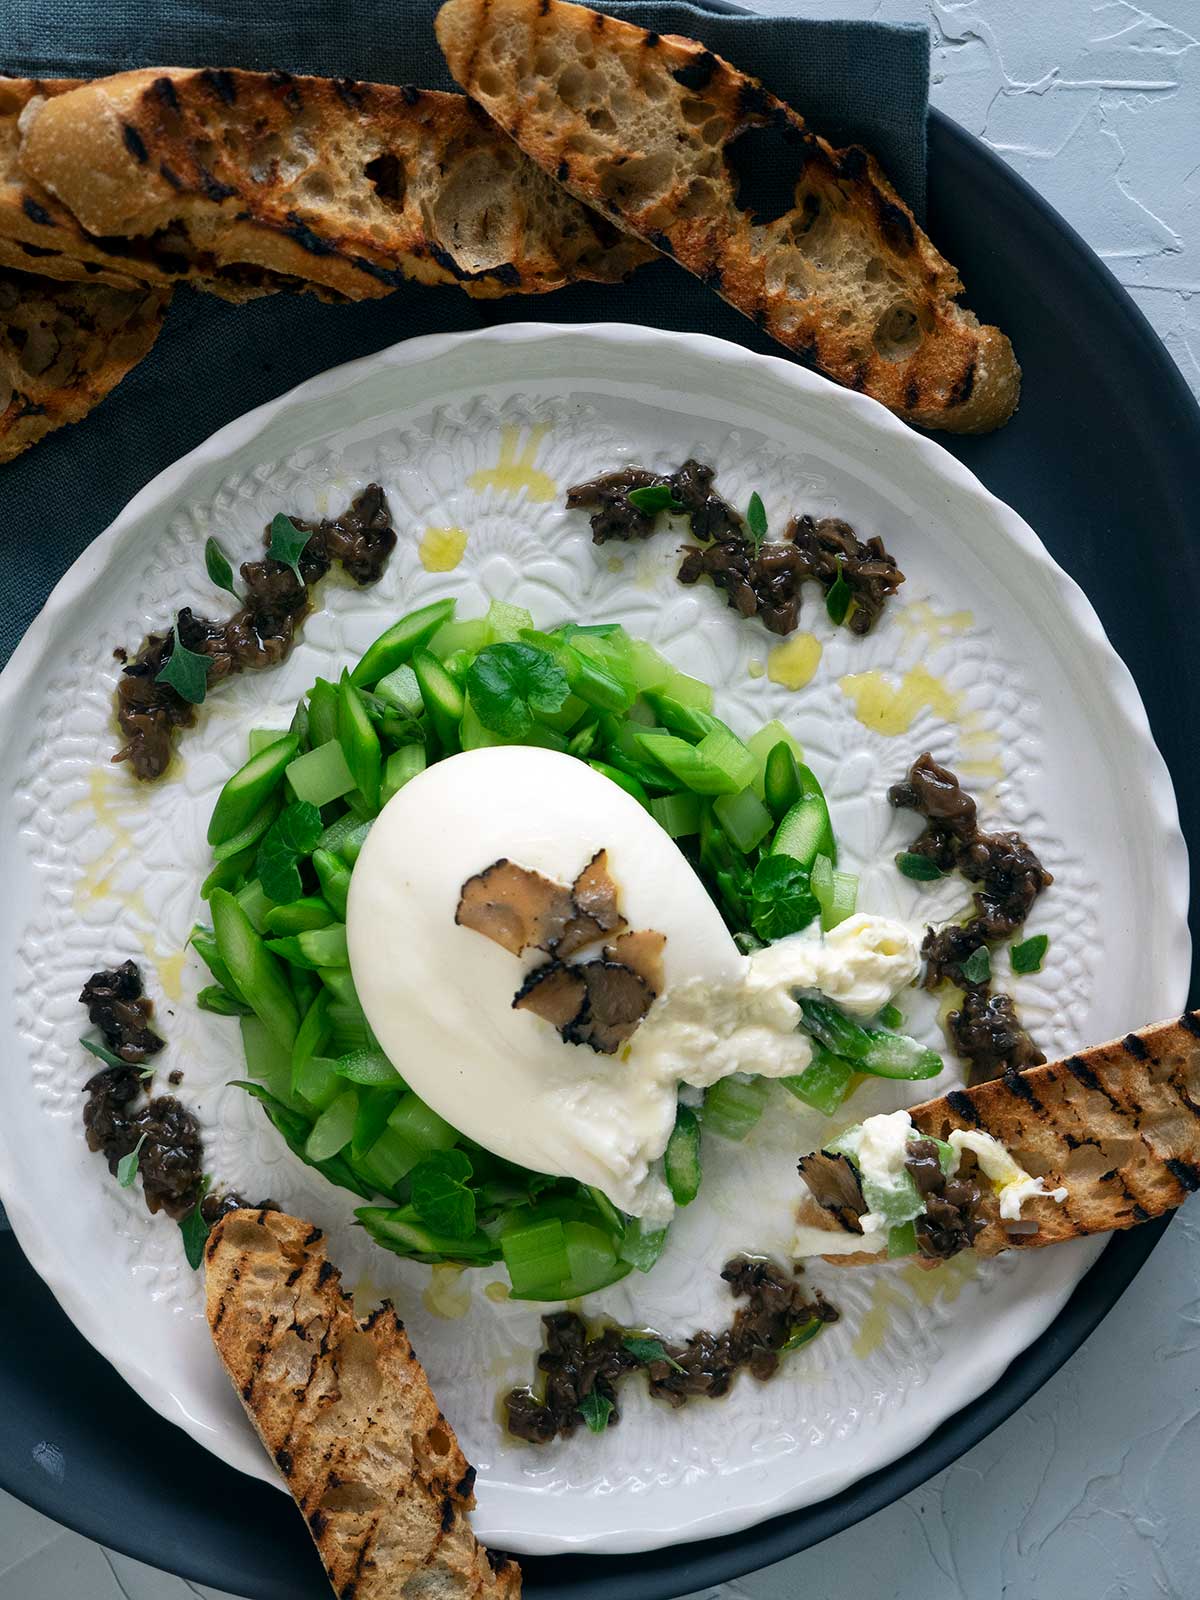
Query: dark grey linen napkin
[(861, 81)]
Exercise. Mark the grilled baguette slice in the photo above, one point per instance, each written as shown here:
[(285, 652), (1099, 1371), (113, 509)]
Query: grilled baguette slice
[(37, 233), (1118, 1125), (644, 126), (346, 1412), (63, 346), (263, 180)]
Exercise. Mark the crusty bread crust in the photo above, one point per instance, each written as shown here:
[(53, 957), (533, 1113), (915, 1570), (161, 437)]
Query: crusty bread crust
[(642, 126), (1118, 1126), (37, 232), (63, 347), (346, 1412), (253, 181)]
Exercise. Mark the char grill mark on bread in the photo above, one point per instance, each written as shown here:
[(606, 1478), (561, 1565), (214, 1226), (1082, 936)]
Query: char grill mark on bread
[(345, 1410), (670, 140), (1117, 1125), (251, 182), (37, 232)]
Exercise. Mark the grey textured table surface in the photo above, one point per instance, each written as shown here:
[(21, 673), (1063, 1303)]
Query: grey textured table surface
[(1088, 1493)]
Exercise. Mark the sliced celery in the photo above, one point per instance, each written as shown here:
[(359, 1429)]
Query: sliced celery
[(771, 733), (623, 780), (401, 691), (687, 763), (322, 775), (836, 892), (824, 1083), (744, 817), (689, 722), (722, 748), (399, 642), (470, 634), (322, 713), (505, 622), (689, 691), (254, 902), (402, 766), (650, 670), (260, 738), (677, 814), (733, 1105), (333, 1129), (316, 1082)]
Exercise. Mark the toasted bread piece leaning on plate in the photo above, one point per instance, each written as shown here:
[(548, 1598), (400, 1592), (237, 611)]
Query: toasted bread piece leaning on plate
[(647, 128), (346, 1412), (1097, 1141)]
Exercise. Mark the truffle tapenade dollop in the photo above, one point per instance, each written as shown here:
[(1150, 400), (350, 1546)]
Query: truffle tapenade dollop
[(580, 1369), (760, 577), (985, 1030), (260, 634)]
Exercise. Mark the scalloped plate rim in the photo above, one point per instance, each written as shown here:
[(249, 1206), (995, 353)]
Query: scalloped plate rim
[(956, 1390)]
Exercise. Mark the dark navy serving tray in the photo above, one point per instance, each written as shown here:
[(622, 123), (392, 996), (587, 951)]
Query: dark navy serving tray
[(1101, 459)]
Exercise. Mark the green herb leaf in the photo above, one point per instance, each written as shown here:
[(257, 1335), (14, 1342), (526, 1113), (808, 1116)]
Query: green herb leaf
[(804, 1334), (293, 835), (194, 1229), (103, 1053), (509, 682), (648, 1351), (185, 672), (287, 543), (837, 600), (128, 1165), (919, 868), (1030, 953), (595, 1409), (756, 518), (221, 1003), (440, 1195), (977, 968), (781, 898), (653, 498), (219, 570)]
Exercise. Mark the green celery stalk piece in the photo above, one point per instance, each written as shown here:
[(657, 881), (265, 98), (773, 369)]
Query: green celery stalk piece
[(256, 976), (334, 1128), (253, 831), (334, 877), (249, 788), (806, 832), (402, 767), (681, 1160), (744, 817), (321, 775), (505, 621), (311, 911), (322, 713), (398, 643), (360, 744), (687, 763), (623, 780), (677, 814)]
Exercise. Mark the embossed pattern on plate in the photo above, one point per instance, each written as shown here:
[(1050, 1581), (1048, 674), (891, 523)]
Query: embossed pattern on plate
[(1011, 681)]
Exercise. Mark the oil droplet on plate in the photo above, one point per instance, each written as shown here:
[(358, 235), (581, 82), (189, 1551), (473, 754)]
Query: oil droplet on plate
[(441, 549), (793, 664), (891, 708), (448, 1295), (515, 469), (755, 667), (885, 1298), (923, 625), (497, 1292)]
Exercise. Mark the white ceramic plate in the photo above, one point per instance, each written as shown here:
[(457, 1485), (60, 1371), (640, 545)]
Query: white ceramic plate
[(1016, 687)]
